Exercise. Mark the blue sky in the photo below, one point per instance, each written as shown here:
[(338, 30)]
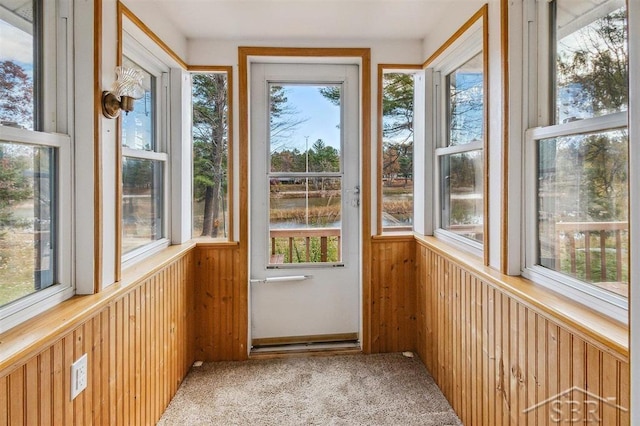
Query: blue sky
[(322, 117), (17, 45)]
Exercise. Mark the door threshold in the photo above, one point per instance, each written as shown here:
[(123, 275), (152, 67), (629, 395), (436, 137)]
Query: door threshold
[(320, 348)]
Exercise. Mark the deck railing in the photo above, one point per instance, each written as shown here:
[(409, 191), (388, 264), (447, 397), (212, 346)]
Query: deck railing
[(304, 236), (577, 236)]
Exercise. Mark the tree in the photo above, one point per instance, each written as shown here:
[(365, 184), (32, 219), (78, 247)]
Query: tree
[(397, 128), (606, 173), (16, 95), (595, 64), (397, 125), (323, 158), (283, 119), (210, 146), (210, 142), (14, 183)]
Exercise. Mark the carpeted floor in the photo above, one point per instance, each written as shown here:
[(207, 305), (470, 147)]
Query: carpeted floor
[(384, 389)]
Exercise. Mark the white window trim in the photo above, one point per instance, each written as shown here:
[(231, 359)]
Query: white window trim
[(28, 306), (135, 50), (418, 205), (464, 48), (601, 300), (536, 111), (57, 123)]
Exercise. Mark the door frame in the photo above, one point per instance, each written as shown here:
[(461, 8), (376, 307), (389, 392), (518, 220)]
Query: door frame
[(360, 56)]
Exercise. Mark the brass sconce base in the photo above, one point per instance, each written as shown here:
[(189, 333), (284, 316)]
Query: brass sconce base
[(110, 105)]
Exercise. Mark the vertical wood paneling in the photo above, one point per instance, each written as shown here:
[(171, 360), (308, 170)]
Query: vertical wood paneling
[(493, 357), (221, 304), (4, 400), (121, 341), (393, 295)]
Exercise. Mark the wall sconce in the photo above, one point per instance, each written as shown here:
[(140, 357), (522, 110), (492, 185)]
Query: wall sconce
[(126, 89)]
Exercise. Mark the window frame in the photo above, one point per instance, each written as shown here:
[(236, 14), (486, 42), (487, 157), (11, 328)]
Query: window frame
[(135, 51), (473, 40), (413, 70), (538, 124), (227, 70), (53, 124)]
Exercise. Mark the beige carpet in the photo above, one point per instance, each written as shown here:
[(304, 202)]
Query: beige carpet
[(385, 389)]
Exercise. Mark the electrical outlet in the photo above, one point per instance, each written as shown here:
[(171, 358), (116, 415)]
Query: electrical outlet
[(78, 376)]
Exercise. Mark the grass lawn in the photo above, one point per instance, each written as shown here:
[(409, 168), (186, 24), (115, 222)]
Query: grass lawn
[(16, 264)]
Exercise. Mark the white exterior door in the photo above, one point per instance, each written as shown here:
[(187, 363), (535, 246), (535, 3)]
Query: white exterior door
[(304, 214)]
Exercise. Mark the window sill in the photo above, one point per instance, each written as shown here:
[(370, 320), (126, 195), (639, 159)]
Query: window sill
[(609, 334), (28, 338), (214, 242), (395, 236)]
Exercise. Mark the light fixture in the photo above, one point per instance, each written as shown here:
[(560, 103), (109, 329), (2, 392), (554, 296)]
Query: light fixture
[(126, 89)]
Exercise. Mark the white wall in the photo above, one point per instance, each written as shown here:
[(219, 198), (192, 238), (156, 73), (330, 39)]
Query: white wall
[(160, 24)]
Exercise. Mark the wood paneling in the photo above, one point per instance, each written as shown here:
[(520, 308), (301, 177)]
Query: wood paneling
[(393, 294), (139, 346), (495, 356), (221, 303)]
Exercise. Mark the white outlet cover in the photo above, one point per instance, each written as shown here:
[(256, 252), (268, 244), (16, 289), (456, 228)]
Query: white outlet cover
[(79, 374)]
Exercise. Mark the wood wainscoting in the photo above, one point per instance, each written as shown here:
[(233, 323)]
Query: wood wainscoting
[(393, 294), (139, 342), (495, 356), (221, 294)]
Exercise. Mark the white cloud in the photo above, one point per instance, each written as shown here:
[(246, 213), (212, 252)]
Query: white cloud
[(15, 44)]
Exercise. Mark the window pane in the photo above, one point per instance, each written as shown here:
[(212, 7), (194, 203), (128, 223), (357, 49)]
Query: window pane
[(210, 150), (583, 205), (142, 202), (462, 205), (465, 103), (305, 128), (397, 151), (17, 65), (591, 58), (138, 129), (305, 219), (27, 220)]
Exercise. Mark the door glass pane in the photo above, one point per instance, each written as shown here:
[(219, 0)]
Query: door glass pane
[(462, 194), (305, 145), (465, 103), (305, 123), (142, 202), (305, 219), (591, 63), (138, 130), (583, 205), (27, 220)]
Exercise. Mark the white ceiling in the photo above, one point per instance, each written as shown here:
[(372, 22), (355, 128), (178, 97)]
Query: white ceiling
[(308, 19)]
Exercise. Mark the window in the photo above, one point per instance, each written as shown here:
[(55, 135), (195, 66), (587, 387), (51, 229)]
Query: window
[(577, 176), (145, 159), (397, 110), (458, 93), (35, 163), (210, 137)]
